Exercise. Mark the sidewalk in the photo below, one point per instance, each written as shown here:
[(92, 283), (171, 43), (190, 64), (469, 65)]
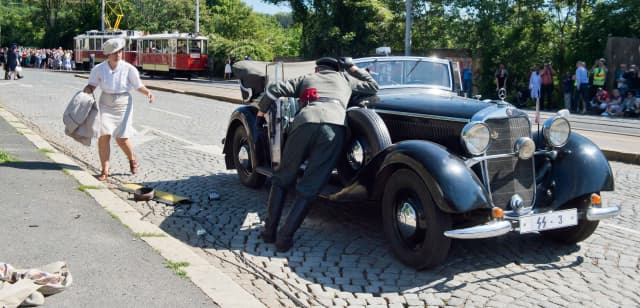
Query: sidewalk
[(47, 218)]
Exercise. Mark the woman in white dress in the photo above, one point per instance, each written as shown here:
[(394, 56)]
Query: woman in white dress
[(535, 83), (227, 69), (116, 78)]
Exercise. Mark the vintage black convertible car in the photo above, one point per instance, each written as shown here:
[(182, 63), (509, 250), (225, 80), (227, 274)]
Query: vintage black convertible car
[(441, 166)]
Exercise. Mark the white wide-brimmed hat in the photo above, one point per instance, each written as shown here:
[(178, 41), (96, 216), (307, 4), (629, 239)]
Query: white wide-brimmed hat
[(112, 45)]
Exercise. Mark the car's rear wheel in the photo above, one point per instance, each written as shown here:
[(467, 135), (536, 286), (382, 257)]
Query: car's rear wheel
[(368, 136), (579, 232), (244, 158), (413, 225)]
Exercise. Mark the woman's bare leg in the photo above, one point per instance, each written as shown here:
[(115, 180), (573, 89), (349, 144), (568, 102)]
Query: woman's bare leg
[(127, 148), (104, 151)]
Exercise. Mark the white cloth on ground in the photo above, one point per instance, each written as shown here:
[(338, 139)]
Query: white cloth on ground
[(20, 287)]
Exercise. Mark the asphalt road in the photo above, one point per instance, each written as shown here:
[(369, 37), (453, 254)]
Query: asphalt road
[(340, 258)]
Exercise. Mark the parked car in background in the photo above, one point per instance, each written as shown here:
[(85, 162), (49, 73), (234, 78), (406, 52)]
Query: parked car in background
[(440, 166)]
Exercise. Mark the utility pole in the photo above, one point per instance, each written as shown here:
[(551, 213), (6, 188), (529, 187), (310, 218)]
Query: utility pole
[(197, 30), (102, 17), (407, 30)]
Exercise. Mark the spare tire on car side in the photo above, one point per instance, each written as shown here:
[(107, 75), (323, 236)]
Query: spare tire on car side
[(367, 136)]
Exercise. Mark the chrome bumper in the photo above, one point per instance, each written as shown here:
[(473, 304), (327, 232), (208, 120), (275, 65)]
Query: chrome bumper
[(598, 213), (492, 229), (502, 227)]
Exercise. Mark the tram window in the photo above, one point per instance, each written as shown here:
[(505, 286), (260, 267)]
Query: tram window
[(162, 46), (204, 46), (182, 46), (146, 46), (158, 46), (171, 46), (195, 46), (131, 45), (92, 44)]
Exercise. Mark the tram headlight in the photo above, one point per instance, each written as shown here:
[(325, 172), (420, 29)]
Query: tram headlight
[(556, 131), (475, 138)]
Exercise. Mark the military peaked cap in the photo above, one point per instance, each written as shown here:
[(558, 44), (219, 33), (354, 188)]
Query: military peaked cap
[(330, 62)]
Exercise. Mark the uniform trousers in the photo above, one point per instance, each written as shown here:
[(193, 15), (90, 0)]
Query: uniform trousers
[(319, 144)]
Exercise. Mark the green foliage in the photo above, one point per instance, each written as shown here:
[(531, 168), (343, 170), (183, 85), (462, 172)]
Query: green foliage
[(519, 34), (606, 18), (351, 27), (156, 16), (177, 268), (6, 158), (13, 14), (239, 33)]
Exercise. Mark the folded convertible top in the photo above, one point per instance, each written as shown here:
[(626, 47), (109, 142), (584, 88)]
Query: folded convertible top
[(254, 75)]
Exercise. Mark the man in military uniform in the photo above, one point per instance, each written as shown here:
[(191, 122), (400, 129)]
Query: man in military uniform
[(316, 135)]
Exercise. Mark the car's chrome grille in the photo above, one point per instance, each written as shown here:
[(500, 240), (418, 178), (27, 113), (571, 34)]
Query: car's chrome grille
[(509, 176), (442, 132)]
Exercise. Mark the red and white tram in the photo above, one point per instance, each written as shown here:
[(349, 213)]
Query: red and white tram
[(172, 54), (89, 45)]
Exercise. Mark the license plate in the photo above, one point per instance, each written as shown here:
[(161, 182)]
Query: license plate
[(547, 221)]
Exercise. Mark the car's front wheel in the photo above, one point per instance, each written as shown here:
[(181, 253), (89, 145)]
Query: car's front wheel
[(244, 158), (413, 225), (579, 232)]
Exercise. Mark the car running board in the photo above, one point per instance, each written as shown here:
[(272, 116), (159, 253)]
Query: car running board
[(266, 171)]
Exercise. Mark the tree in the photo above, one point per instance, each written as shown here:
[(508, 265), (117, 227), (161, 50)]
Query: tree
[(350, 27)]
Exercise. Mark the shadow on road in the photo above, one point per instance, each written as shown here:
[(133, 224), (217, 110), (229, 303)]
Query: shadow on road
[(37, 165)]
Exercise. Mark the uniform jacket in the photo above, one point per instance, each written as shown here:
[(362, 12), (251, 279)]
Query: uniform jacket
[(80, 118), (328, 84), (12, 60)]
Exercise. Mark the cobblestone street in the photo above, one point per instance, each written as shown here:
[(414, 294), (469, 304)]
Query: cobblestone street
[(340, 257)]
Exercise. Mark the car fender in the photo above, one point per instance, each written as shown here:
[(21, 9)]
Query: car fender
[(454, 186), (579, 169), (243, 116)]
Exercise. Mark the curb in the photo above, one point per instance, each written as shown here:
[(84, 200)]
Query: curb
[(213, 282), (627, 158)]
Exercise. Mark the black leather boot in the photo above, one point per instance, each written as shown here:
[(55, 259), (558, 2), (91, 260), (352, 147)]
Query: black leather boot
[(277, 196), (298, 212)]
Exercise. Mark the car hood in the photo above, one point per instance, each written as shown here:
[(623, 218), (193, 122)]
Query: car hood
[(427, 101)]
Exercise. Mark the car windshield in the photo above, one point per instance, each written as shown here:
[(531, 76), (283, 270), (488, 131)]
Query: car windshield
[(418, 72)]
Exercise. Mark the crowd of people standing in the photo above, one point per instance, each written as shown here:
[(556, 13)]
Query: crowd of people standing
[(591, 94), (585, 91), (44, 58)]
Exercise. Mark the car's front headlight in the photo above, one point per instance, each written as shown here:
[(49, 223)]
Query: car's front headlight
[(556, 131), (476, 137)]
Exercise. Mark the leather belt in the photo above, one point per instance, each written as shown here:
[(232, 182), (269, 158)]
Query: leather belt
[(326, 100)]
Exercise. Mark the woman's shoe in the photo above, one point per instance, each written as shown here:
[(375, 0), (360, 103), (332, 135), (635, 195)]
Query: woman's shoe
[(103, 176), (133, 165)]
